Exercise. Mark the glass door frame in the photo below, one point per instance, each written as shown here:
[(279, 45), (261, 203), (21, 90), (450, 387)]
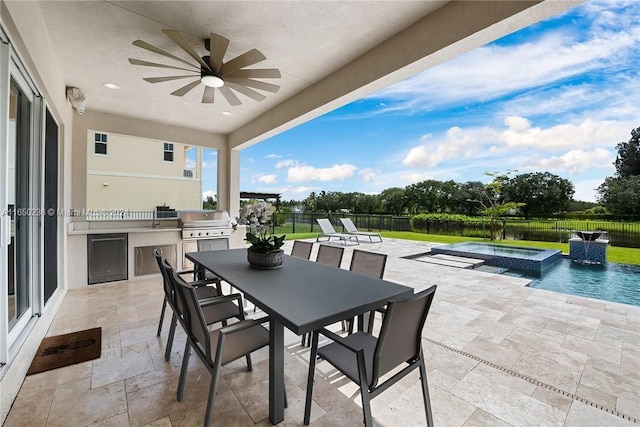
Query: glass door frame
[(11, 69)]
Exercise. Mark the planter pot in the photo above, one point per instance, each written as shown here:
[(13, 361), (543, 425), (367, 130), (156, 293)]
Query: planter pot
[(265, 261)]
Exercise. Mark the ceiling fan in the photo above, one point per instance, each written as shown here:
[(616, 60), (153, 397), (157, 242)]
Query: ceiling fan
[(227, 77)]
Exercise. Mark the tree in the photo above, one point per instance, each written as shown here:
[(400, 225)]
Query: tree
[(368, 204), (628, 160), (493, 204), (470, 190), (209, 204), (393, 200), (426, 196), (620, 195), (542, 193), (310, 203)]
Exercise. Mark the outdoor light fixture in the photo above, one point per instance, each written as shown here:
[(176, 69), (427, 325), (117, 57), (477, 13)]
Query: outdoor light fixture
[(77, 99)]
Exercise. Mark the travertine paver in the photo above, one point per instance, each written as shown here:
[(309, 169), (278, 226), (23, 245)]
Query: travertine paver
[(497, 353)]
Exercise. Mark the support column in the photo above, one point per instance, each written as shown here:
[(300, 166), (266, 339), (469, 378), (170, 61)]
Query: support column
[(229, 181)]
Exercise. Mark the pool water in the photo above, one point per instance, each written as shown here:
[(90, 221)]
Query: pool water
[(608, 281), (489, 249), (531, 261)]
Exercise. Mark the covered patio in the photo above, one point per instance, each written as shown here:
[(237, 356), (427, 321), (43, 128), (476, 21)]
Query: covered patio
[(328, 54), (497, 352)]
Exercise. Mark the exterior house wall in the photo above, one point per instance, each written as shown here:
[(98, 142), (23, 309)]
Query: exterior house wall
[(110, 124), (133, 175)]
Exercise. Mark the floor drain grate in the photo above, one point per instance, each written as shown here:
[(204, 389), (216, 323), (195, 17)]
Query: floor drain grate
[(535, 382)]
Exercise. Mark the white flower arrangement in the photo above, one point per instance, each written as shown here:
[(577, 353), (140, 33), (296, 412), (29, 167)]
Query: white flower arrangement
[(258, 218)]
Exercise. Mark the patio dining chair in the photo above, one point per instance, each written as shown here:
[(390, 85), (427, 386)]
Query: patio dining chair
[(213, 314), (370, 264), (218, 347), (328, 231), (204, 291), (211, 245), (364, 358), (352, 229), (302, 249), (330, 255)]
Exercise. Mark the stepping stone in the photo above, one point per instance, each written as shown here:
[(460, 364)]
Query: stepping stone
[(474, 261), (446, 262)]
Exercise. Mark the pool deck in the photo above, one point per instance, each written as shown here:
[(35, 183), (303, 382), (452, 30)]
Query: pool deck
[(498, 353)]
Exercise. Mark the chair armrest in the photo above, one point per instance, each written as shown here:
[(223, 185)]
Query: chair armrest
[(338, 339), (242, 325), (198, 283), (220, 299)]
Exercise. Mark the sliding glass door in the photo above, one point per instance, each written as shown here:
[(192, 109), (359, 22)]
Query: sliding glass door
[(20, 199), (19, 141)]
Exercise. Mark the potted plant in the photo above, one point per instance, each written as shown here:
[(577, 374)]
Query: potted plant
[(265, 252)]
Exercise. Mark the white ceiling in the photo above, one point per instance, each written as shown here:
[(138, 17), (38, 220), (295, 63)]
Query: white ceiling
[(306, 40)]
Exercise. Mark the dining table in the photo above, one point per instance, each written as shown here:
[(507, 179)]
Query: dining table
[(302, 296)]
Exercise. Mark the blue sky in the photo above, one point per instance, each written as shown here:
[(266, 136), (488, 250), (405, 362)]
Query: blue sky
[(556, 96)]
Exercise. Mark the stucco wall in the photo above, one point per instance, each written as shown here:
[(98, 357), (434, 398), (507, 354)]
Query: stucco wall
[(109, 123), (134, 175)]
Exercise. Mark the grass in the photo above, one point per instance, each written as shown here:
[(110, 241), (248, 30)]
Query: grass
[(615, 253)]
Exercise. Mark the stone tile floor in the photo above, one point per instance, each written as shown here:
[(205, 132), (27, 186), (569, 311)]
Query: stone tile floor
[(497, 353)]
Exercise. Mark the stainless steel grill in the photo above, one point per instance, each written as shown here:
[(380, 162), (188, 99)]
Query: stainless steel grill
[(203, 225)]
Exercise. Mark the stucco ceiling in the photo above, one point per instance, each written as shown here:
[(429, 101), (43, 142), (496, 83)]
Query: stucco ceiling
[(306, 40)]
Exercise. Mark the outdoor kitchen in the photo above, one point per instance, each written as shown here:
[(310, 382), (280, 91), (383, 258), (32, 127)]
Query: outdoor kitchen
[(110, 249)]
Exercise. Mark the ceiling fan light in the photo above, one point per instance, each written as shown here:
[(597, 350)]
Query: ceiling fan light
[(212, 81)]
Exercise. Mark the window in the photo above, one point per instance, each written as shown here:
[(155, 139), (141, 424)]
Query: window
[(100, 144), (168, 152)]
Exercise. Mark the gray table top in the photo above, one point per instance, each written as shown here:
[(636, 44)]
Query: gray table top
[(303, 295)]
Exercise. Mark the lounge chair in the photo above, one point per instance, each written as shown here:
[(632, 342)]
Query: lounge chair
[(328, 231), (352, 229)]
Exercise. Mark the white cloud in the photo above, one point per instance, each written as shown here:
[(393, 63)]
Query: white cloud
[(575, 161), (302, 173), (456, 143), (272, 156), (285, 164), (268, 179), (209, 193), (586, 190), (367, 174), (588, 132), (492, 71), (519, 134)]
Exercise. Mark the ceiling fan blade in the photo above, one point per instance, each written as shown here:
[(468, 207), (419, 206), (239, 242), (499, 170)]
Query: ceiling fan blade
[(165, 79), (230, 96), (248, 58), (217, 48), (260, 73), (255, 84), (180, 41), (208, 95), (155, 64), (256, 96), (186, 89), (147, 46)]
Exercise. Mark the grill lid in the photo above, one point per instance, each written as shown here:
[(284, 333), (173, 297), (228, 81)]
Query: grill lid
[(200, 219)]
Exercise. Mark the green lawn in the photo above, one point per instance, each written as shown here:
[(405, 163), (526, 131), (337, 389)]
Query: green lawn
[(614, 254)]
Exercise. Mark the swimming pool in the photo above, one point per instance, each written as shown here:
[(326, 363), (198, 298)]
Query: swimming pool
[(529, 260), (609, 281)]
